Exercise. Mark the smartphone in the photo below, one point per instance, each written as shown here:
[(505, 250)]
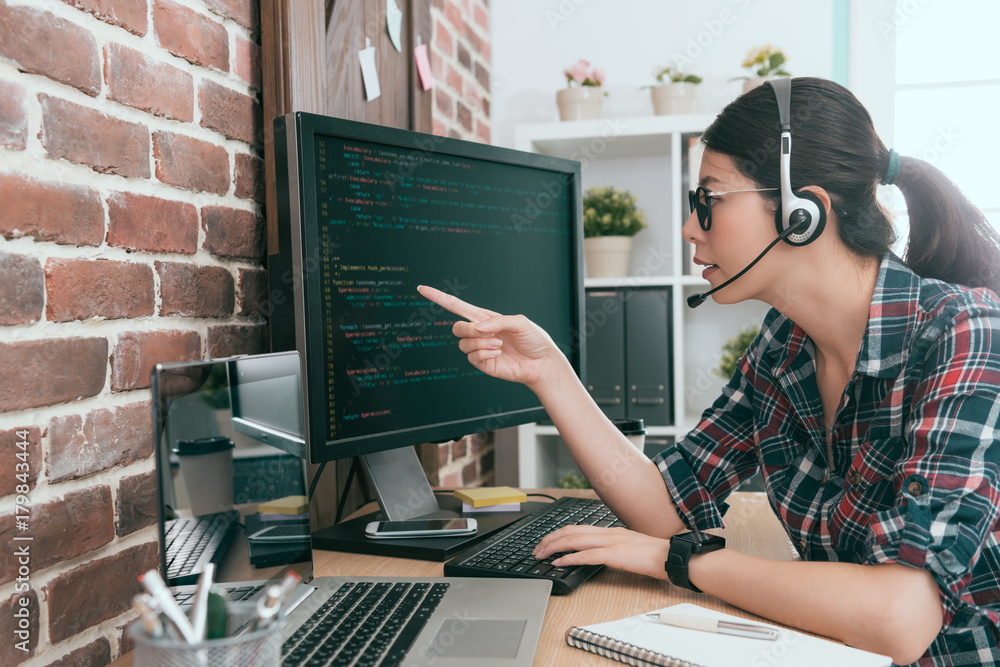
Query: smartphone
[(378, 530)]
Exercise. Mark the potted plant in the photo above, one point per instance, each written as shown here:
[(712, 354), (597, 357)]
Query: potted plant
[(582, 98), (676, 92), (610, 220), (763, 62), (734, 349)]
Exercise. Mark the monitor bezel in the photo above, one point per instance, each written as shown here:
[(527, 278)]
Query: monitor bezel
[(297, 130)]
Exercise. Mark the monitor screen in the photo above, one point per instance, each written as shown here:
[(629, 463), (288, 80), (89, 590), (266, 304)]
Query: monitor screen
[(366, 214)]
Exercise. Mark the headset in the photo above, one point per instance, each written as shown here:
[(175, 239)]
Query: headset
[(804, 208), (800, 218)]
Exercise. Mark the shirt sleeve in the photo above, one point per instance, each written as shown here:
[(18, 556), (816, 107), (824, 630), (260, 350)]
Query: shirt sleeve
[(703, 468), (949, 500)]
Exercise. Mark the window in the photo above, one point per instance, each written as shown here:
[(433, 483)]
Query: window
[(932, 71)]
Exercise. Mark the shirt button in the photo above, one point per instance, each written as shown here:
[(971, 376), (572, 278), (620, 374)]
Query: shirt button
[(823, 481), (915, 488), (855, 478), (802, 544)]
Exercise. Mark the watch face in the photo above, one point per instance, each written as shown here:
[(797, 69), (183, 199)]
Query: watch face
[(704, 542)]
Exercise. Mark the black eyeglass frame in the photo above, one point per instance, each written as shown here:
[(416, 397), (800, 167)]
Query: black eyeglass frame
[(704, 211)]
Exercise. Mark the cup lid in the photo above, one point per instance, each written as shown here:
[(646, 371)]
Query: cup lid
[(630, 426), (211, 445)]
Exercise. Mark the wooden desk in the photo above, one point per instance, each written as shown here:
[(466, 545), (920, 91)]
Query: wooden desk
[(610, 595)]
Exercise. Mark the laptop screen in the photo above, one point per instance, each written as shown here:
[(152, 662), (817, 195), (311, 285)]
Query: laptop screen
[(230, 474)]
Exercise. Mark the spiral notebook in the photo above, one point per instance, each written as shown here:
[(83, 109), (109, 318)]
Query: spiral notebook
[(640, 641)]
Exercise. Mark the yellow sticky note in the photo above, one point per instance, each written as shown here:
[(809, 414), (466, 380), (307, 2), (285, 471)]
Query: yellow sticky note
[(287, 505), (490, 495)]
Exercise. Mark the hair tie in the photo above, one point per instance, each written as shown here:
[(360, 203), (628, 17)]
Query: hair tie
[(892, 171)]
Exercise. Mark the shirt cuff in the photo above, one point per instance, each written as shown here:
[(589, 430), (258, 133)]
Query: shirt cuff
[(695, 505), (904, 535)]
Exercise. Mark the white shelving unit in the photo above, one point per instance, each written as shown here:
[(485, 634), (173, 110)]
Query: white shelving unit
[(645, 156)]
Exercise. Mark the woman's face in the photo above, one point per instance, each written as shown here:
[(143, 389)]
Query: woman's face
[(742, 227)]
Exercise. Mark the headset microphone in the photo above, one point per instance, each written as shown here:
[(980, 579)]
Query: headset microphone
[(696, 300)]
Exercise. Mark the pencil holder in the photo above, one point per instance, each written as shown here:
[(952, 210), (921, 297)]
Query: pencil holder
[(257, 648)]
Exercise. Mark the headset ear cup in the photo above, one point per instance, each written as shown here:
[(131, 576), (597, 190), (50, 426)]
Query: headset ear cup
[(809, 235)]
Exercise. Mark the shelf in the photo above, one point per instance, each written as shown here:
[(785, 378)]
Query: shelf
[(609, 138), (647, 156)]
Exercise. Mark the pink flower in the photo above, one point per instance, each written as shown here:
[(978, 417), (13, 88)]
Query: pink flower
[(581, 73), (577, 72)]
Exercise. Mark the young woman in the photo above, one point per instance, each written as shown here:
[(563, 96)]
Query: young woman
[(870, 401)]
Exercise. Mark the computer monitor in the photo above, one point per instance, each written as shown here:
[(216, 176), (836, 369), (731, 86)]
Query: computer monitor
[(366, 213)]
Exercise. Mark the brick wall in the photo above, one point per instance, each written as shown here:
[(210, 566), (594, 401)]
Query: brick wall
[(460, 61), (130, 234)]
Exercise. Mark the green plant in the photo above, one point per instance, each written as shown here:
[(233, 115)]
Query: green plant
[(572, 480), (608, 211), (669, 74), (764, 61), (734, 349)]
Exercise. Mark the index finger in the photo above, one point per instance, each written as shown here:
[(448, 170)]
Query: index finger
[(455, 305)]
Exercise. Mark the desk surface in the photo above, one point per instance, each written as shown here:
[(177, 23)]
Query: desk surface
[(611, 594)]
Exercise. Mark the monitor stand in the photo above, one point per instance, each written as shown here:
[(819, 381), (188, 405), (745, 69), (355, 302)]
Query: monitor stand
[(404, 493)]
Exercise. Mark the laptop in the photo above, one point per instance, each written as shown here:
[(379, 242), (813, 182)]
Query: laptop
[(229, 453)]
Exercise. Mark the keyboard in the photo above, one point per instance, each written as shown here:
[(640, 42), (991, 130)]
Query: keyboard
[(232, 593), (193, 542), (364, 623), (508, 553)]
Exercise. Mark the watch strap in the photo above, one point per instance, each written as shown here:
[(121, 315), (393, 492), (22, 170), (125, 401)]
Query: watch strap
[(677, 564)]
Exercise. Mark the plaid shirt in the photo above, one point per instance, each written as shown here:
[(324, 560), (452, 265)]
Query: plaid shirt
[(915, 475)]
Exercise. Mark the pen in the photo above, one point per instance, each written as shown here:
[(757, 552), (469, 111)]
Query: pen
[(154, 584), (705, 624), (269, 605), (149, 615), (199, 606)]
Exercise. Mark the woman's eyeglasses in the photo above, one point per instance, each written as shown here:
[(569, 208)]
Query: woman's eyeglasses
[(701, 202)]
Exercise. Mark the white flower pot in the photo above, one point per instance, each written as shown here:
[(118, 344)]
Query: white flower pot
[(607, 256), (580, 102), (675, 97)]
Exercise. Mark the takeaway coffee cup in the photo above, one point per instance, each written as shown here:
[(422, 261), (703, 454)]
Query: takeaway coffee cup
[(634, 430), (207, 466)]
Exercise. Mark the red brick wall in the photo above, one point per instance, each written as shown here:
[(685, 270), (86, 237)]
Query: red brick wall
[(130, 234), (460, 61)]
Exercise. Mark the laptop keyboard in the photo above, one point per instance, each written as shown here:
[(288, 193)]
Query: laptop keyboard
[(192, 542), (363, 624), (232, 594), (508, 553)]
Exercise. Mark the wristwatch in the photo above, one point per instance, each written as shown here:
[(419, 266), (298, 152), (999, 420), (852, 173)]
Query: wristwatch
[(682, 547)]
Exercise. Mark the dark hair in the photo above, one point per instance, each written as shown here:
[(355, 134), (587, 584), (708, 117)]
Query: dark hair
[(834, 146)]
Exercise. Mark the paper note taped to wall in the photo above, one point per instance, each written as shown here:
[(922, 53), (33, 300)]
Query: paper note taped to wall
[(369, 72), (424, 67), (394, 23)]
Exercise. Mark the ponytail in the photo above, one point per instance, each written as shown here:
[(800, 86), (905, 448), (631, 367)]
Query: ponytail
[(950, 239)]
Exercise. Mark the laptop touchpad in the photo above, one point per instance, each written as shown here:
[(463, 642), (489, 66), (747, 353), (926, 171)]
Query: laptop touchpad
[(477, 638)]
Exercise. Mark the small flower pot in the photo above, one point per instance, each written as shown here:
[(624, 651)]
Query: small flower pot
[(580, 102), (607, 256), (675, 97)]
